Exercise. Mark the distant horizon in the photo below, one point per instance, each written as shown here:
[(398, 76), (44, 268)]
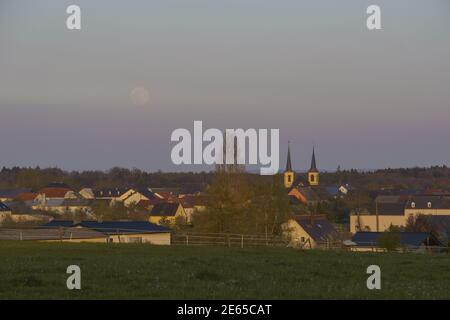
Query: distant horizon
[(251, 171), (112, 93)]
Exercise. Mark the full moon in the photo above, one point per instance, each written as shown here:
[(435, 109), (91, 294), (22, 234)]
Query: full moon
[(139, 96)]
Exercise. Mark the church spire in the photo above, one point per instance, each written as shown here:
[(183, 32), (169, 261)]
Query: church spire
[(288, 161), (313, 173), (288, 173), (313, 162)]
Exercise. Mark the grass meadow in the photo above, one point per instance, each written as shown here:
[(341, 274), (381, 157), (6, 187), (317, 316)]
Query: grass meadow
[(31, 270)]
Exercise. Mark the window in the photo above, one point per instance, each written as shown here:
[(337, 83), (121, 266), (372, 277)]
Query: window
[(311, 177), (289, 178), (302, 239)]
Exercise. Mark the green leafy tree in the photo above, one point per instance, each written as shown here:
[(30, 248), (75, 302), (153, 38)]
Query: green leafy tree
[(390, 240)]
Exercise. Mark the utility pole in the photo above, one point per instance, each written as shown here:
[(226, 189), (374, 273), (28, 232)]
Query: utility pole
[(376, 212)]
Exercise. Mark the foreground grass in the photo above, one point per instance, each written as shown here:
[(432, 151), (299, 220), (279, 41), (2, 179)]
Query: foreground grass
[(38, 271)]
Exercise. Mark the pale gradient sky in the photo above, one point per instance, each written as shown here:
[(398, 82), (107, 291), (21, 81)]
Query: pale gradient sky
[(366, 99)]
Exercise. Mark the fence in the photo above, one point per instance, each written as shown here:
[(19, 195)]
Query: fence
[(192, 239), (227, 240), (97, 235)]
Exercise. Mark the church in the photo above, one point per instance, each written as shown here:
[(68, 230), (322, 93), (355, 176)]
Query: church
[(308, 192)]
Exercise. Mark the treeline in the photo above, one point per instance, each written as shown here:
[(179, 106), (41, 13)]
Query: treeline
[(437, 177), (36, 178)]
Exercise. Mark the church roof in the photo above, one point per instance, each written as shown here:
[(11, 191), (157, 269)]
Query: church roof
[(288, 161), (313, 163)]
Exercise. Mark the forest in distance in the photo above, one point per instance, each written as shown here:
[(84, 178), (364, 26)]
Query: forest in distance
[(436, 177)]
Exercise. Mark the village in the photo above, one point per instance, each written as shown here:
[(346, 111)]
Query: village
[(396, 220)]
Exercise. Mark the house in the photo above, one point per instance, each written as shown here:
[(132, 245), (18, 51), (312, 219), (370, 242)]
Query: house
[(427, 205), (305, 195), (26, 197), (110, 194), (48, 193), (339, 191), (168, 194), (5, 212), (385, 215), (395, 210), (87, 193), (7, 195), (108, 232), (63, 206), (417, 241), (168, 213), (310, 232), (135, 195), (191, 204)]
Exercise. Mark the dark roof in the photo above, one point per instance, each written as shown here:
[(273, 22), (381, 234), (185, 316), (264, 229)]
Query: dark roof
[(12, 193), (146, 192), (164, 209), (333, 190), (288, 160), (294, 201), (57, 224), (422, 202), (57, 185), (313, 163), (389, 209), (318, 227), (174, 191), (298, 181), (110, 192), (109, 227), (412, 239), (114, 227), (394, 192), (76, 202), (4, 207), (309, 193), (391, 198)]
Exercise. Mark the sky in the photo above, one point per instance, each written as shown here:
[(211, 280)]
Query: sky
[(364, 99)]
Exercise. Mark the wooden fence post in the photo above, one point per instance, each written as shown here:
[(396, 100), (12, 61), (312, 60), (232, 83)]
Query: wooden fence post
[(242, 241), (187, 239)]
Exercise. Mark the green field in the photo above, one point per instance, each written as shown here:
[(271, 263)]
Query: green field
[(38, 271)]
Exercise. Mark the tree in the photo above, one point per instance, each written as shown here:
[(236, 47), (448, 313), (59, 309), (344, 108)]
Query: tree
[(390, 240), (102, 210), (419, 223), (235, 203)]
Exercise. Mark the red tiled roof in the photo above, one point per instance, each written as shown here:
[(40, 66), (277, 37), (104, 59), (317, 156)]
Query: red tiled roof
[(54, 192), (26, 196), (189, 201), (148, 203)]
